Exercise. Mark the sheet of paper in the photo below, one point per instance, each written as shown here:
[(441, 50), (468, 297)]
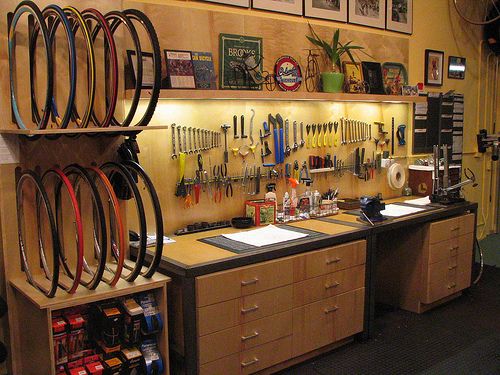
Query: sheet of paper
[(395, 210), (265, 236), (419, 201)]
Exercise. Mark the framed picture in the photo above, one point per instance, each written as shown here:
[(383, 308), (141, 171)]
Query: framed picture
[(180, 69), (148, 72), (239, 3), (283, 6), (353, 77), (335, 10), (367, 13), (204, 71), (395, 76), (372, 73), (434, 67), (456, 67), (400, 16)]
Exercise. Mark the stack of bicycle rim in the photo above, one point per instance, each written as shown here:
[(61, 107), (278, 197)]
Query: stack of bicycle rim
[(65, 244), (89, 23)]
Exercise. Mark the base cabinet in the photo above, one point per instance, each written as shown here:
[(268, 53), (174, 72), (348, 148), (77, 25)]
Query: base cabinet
[(262, 315)]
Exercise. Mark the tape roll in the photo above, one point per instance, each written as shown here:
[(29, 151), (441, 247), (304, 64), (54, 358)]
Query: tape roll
[(396, 176)]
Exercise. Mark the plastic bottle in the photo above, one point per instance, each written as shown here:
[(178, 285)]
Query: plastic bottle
[(293, 197), (305, 200), (271, 195), (316, 203), (286, 207)]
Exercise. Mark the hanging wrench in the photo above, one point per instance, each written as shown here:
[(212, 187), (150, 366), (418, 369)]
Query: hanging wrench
[(313, 127), (179, 127), (342, 131), (287, 140), (184, 143), (200, 148), (302, 142), (295, 144), (190, 148), (174, 154), (195, 148), (325, 139)]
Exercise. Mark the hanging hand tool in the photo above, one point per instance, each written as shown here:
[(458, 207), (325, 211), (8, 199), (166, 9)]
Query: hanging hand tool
[(330, 134), (302, 142), (401, 135), (272, 121), (370, 131), (325, 136), (251, 127), (190, 147), (319, 141), (257, 181), (304, 172), (235, 127), (342, 141), (181, 149), (200, 145), (226, 180), (267, 131), (280, 121), (242, 119), (392, 137), (296, 174), (287, 138), (265, 151), (181, 187), (224, 129), (295, 144), (174, 154), (313, 135), (195, 147), (308, 131), (335, 136)]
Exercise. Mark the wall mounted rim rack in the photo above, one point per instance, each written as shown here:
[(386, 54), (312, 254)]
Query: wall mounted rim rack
[(111, 131)]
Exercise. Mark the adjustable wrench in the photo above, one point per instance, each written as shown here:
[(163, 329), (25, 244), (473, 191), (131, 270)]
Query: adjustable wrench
[(287, 138), (190, 149), (295, 144), (179, 127), (302, 142), (174, 154)]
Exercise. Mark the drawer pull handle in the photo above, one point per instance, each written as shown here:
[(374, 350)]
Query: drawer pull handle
[(452, 285), (251, 336), (249, 309), (331, 309), (454, 229), (249, 282), (331, 261), (333, 285), (452, 267), (249, 363), (454, 248)]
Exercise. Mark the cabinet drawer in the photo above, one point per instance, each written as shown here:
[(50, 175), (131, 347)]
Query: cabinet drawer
[(443, 230), (445, 249), (447, 277), (321, 287), (326, 321), (329, 260), (239, 338), (227, 285), (466, 224), (252, 360), (228, 314)]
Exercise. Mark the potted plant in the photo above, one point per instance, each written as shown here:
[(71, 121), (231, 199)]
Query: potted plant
[(333, 80)]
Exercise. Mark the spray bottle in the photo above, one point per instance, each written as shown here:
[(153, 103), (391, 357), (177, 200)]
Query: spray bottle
[(271, 195), (293, 197), (305, 201)]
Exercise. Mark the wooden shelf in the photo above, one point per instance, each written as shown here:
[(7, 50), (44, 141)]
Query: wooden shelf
[(265, 95), (82, 296), (115, 130)]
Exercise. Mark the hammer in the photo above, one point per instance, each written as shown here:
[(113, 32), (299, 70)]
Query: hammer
[(225, 127)]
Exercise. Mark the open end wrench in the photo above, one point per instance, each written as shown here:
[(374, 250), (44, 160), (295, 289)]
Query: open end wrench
[(195, 147), (287, 138), (295, 144), (342, 142), (174, 153), (190, 147), (179, 127), (184, 144), (302, 142)]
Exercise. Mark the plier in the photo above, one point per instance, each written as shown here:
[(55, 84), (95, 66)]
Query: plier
[(218, 184), (226, 180)]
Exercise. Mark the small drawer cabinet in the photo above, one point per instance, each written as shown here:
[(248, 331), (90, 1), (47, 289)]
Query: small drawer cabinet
[(434, 264), (252, 318)]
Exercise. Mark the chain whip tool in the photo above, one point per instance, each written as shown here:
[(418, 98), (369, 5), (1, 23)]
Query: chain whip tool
[(174, 154)]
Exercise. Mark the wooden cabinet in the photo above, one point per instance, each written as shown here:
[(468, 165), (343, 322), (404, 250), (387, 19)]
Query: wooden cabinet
[(255, 317), (434, 264)]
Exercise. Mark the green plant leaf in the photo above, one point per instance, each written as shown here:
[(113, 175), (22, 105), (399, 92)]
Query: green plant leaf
[(314, 41), (335, 40)]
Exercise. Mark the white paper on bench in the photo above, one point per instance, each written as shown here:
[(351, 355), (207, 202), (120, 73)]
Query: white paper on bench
[(265, 236), (395, 210), (419, 201)]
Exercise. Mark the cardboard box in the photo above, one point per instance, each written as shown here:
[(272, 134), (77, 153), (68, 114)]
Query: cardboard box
[(262, 212)]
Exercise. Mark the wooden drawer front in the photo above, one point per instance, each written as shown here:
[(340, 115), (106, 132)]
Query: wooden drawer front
[(447, 277), (252, 360), (324, 322), (466, 224), (446, 249), (443, 230), (239, 338), (329, 260), (321, 287), (228, 314), (227, 285)]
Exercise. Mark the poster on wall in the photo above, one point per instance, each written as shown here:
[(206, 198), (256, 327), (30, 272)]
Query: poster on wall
[(335, 10), (434, 67), (239, 3), (283, 6), (400, 16), (367, 13), (240, 66)]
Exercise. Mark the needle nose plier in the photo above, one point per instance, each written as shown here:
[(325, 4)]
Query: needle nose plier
[(226, 180)]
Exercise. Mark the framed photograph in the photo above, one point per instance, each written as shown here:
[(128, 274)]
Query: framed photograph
[(353, 77), (434, 67), (367, 13), (180, 69), (410, 90), (238, 3), (204, 71), (148, 72), (395, 76), (283, 6), (400, 16), (372, 73), (456, 67), (334, 10)]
